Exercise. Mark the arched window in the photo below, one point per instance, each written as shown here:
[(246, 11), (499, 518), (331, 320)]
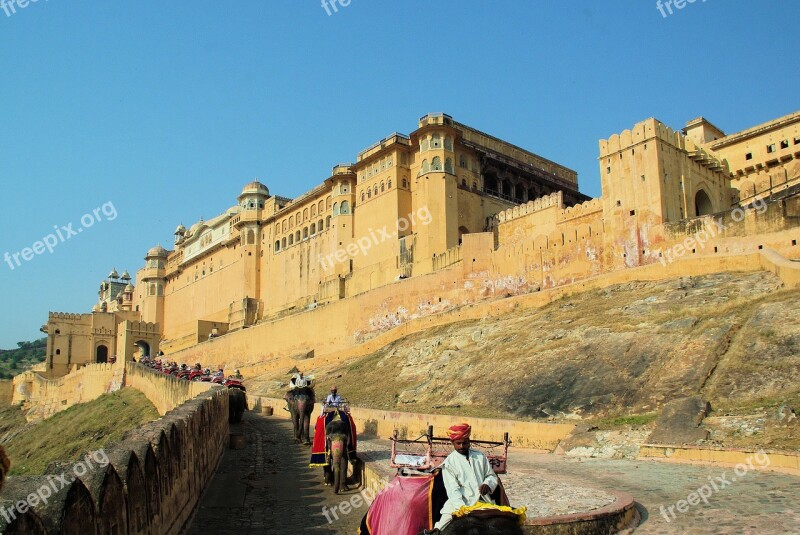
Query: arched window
[(363, 195), (328, 201), (319, 225), (390, 183), (375, 191), (423, 145), (448, 166), (283, 243), (313, 210), (383, 187), (405, 183), (448, 143), (462, 161), (305, 233), (437, 164), (321, 207), (313, 228), (369, 193), (291, 221), (285, 226), (702, 204), (291, 239), (335, 208), (345, 208), (297, 236), (328, 222), (277, 245), (251, 237), (436, 141), (277, 228), (425, 166)]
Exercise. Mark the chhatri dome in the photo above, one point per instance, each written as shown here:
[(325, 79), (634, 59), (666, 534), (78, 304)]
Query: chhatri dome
[(254, 188), (157, 251)]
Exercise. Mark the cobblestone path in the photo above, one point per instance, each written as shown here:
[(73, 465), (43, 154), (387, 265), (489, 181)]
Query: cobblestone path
[(267, 487)]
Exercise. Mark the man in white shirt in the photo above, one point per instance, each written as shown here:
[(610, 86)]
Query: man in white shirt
[(468, 476), (333, 399)]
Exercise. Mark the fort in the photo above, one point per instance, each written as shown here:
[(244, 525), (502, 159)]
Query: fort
[(274, 280), (277, 275)]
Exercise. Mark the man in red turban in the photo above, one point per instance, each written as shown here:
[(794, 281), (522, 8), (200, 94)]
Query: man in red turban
[(468, 476)]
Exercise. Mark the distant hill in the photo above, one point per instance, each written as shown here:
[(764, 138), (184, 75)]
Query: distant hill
[(27, 354)]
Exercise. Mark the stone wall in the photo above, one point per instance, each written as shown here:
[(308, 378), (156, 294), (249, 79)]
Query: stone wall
[(532, 435), (164, 391), (42, 397), (148, 483)]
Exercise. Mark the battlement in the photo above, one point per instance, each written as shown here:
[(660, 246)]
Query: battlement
[(653, 129), (579, 210), (542, 203), (66, 316)]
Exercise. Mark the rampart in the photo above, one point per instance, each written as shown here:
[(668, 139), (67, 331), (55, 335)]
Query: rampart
[(42, 397), (150, 482), (166, 392), (382, 424)]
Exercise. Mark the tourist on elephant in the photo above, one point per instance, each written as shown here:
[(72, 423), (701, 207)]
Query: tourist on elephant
[(333, 399), (237, 375), (468, 476)]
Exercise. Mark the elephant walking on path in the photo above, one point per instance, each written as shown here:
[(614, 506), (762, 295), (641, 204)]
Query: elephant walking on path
[(301, 405)]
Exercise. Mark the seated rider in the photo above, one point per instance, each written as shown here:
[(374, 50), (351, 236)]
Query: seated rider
[(237, 375), (219, 373), (298, 381), (468, 476), (333, 399)]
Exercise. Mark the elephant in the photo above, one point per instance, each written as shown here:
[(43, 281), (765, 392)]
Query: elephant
[(5, 464), (301, 405), (484, 523), (337, 435), (237, 404)]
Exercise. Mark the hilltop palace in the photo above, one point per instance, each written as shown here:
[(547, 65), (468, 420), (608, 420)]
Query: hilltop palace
[(431, 221)]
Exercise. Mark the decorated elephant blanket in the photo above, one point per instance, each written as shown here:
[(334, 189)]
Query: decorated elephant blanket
[(408, 505), (318, 448)]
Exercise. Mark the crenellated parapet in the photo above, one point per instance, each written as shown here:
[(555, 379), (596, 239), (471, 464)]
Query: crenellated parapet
[(65, 316), (542, 203), (578, 211)]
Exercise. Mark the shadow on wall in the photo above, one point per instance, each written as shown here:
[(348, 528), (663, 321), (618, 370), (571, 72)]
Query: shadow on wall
[(148, 483)]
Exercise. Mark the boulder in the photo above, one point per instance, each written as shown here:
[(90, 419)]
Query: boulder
[(679, 422)]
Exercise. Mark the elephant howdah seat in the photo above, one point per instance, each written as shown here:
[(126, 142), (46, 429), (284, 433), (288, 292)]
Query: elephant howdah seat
[(428, 452), (319, 446)]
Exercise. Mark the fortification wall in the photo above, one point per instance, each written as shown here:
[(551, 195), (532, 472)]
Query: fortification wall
[(148, 483), (164, 391), (42, 397)]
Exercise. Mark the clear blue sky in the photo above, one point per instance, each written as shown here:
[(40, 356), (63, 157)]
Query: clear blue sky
[(166, 109)]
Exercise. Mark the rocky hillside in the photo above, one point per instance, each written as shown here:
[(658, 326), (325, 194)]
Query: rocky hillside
[(732, 339)]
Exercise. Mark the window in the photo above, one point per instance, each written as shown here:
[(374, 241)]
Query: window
[(383, 187), (363, 195), (313, 228), (277, 245), (462, 162), (437, 164), (423, 146), (346, 207), (785, 144), (436, 141), (319, 225), (369, 193), (305, 233), (375, 191), (291, 239), (448, 166), (283, 243), (448, 143), (771, 148), (297, 236), (608, 170), (335, 208), (389, 184), (405, 183), (425, 166), (404, 158), (313, 210), (328, 222), (291, 221), (797, 141), (748, 156)]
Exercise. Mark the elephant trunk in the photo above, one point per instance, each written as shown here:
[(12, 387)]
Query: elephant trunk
[(338, 462)]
